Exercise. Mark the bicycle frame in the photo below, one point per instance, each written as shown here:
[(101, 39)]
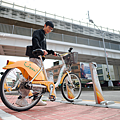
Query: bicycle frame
[(60, 77), (40, 73)]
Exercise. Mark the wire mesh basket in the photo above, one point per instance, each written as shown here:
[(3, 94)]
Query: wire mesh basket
[(71, 58)]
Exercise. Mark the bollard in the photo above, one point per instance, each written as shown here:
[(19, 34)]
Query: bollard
[(96, 84)]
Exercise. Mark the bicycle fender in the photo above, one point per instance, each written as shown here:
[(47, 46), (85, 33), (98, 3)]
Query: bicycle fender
[(28, 69)]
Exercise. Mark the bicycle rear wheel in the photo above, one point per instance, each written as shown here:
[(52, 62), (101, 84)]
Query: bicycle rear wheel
[(10, 93), (71, 90)]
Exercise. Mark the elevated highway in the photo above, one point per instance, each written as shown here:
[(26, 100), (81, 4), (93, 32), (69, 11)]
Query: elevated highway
[(30, 18), (15, 45)]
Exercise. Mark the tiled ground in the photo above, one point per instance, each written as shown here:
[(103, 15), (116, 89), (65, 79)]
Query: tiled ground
[(63, 111)]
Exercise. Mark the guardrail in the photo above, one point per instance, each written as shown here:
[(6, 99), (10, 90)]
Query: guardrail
[(37, 12), (12, 29)]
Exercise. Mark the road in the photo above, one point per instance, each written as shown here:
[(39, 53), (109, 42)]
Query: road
[(89, 95), (108, 95)]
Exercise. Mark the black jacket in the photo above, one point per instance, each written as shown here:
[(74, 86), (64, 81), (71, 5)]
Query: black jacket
[(39, 39), (38, 42)]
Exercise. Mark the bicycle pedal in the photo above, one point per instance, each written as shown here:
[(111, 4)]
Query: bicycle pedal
[(52, 98)]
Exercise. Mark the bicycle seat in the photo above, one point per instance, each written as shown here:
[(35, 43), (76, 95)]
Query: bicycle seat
[(37, 52)]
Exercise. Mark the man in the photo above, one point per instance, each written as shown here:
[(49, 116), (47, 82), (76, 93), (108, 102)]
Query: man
[(38, 42), (83, 75)]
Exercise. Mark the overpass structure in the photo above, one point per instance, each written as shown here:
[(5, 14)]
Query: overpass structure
[(15, 45), (16, 27)]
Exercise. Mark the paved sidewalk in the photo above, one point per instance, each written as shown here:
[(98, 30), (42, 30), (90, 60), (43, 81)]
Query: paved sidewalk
[(61, 111)]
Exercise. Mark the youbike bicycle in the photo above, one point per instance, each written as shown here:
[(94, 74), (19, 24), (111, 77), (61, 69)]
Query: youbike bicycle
[(27, 76)]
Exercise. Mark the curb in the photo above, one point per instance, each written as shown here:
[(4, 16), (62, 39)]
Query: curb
[(85, 103)]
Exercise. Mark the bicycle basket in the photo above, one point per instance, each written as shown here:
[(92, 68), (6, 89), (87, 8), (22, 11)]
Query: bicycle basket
[(71, 58)]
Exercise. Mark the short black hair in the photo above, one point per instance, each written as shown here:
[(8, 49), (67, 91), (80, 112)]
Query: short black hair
[(82, 64), (49, 23)]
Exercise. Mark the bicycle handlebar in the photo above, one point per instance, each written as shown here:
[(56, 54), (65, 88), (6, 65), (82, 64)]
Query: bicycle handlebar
[(64, 54), (38, 52)]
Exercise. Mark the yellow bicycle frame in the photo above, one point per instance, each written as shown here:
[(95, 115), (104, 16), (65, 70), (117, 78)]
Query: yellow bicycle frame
[(28, 69)]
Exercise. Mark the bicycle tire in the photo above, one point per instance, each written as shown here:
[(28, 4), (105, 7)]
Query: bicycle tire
[(77, 87), (9, 98)]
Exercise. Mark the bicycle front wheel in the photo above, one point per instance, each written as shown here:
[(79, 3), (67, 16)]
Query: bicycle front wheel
[(71, 89), (10, 91)]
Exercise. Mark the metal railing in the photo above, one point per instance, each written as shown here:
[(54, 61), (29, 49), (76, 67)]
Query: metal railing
[(58, 37), (37, 12)]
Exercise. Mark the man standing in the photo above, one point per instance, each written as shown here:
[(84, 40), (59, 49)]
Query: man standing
[(38, 42)]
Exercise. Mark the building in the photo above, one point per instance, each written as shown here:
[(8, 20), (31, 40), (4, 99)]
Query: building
[(103, 73)]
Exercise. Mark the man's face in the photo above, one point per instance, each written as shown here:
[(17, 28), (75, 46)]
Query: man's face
[(82, 66), (47, 29)]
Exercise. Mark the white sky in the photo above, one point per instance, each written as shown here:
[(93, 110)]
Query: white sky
[(105, 13)]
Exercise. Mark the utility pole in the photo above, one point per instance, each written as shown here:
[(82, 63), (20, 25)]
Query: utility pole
[(110, 84)]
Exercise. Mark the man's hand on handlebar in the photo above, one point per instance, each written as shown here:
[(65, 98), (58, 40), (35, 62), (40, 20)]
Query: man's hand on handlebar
[(56, 54), (45, 52)]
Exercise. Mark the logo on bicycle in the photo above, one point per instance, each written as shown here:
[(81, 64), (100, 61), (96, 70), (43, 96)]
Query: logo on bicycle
[(29, 66)]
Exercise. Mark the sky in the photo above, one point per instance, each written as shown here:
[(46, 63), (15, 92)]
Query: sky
[(105, 13)]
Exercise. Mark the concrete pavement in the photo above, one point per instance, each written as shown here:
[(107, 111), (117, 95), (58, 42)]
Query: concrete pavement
[(62, 110)]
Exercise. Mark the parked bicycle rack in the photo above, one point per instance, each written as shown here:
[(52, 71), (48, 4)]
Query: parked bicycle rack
[(96, 85)]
